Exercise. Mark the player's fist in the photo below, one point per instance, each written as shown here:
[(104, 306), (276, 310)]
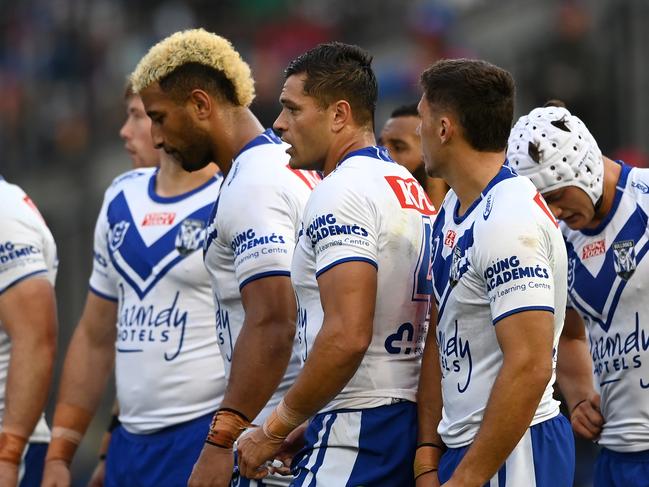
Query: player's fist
[(586, 418), (254, 449), (56, 474), (213, 468)]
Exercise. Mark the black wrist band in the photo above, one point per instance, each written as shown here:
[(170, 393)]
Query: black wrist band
[(102, 456)]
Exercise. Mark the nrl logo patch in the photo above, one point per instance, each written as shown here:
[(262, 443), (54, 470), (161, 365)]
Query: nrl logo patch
[(117, 234), (571, 272), (625, 264), (190, 236)]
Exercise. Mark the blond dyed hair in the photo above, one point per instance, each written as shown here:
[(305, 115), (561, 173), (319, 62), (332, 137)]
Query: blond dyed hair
[(195, 46)]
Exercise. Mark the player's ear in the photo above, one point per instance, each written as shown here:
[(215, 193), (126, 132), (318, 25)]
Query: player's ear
[(201, 104), (341, 114), (446, 129)]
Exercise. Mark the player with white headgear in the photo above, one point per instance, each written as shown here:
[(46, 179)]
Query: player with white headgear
[(603, 207)]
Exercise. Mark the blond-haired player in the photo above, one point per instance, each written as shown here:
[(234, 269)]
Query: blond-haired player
[(196, 89), (149, 309)]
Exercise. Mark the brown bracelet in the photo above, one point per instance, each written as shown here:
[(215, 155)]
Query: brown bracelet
[(433, 445), (227, 425), (11, 447)]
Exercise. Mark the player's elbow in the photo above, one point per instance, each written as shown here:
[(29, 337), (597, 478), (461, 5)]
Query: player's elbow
[(354, 339), (537, 373)]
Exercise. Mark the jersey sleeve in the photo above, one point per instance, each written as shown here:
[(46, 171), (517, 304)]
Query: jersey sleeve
[(512, 257), (261, 233), (103, 279), (22, 252), (341, 227)]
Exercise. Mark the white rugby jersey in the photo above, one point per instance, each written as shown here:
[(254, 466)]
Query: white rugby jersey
[(148, 259), (27, 250), (370, 209), (608, 284), (251, 235), (505, 255)]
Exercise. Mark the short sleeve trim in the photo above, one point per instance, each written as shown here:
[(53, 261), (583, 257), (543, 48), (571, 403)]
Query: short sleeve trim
[(22, 278), (261, 275), (102, 295), (521, 310), (346, 259)]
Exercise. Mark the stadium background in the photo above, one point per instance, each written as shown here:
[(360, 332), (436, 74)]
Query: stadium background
[(63, 65)]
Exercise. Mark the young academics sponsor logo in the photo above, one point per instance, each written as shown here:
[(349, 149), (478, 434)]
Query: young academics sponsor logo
[(249, 239), (325, 226), (510, 269), (10, 252), (411, 195)]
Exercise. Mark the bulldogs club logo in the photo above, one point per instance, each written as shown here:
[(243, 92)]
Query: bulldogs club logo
[(625, 264), (454, 274), (191, 234), (117, 234)]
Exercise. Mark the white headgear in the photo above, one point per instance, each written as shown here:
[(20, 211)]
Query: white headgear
[(555, 149)]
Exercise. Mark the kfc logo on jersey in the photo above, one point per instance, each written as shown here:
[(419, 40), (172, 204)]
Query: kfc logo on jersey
[(411, 195), (449, 240), (593, 249), (161, 218)]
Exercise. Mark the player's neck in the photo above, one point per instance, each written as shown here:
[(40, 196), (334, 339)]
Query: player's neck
[(612, 172), (234, 129), (469, 175), (173, 180), (350, 141)]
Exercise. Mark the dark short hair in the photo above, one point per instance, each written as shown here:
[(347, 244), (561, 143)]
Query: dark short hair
[(190, 76), (128, 90), (554, 102), (337, 71), (480, 94), (405, 111)]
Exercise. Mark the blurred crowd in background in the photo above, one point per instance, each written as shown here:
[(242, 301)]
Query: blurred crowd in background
[(64, 63)]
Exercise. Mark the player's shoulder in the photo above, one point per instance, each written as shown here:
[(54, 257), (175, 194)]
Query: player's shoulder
[(130, 178), (511, 203), (9, 193), (638, 182), (16, 204)]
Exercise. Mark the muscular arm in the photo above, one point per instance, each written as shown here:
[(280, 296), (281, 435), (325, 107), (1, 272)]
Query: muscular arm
[(429, 404), (90, 356), (264, 345), (348, 297), (28, 314), (526, 343), (575, 378)]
